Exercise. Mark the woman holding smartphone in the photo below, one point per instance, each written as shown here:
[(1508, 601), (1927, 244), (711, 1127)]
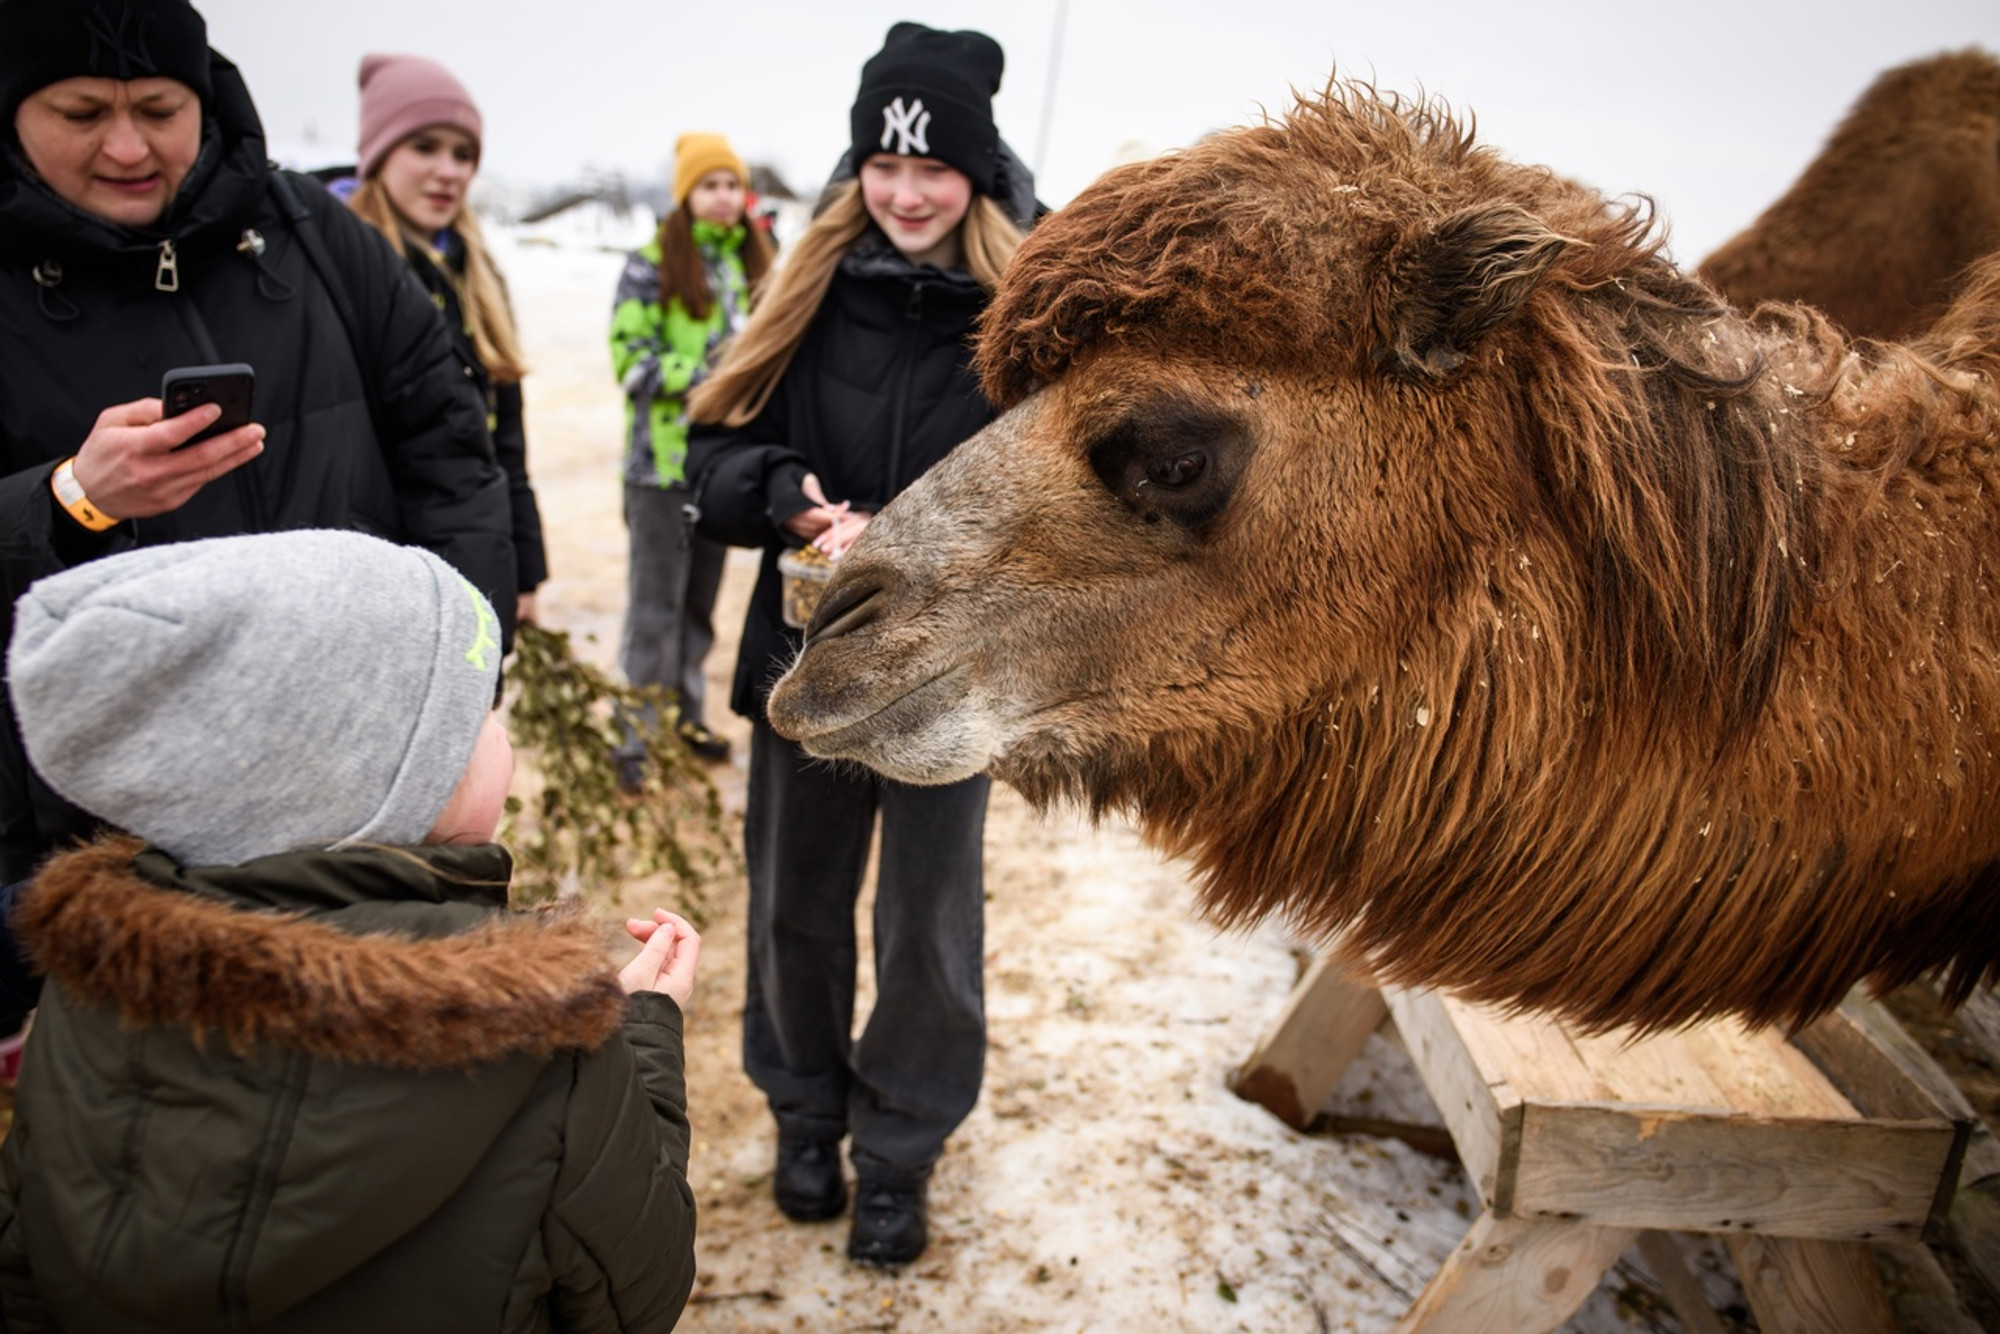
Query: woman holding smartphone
[(142, 228)]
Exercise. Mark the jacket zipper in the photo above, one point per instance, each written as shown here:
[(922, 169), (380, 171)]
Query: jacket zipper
[(914, 311), (168, 279)]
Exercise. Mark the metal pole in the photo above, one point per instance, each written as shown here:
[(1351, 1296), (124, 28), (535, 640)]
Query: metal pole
[(1049, 88)]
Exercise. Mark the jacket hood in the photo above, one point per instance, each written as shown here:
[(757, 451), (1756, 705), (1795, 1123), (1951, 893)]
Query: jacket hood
[(226, 182), (258, 1077), (102, 922)]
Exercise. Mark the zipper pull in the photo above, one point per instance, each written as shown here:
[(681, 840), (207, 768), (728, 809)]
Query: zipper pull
[(169, 277)]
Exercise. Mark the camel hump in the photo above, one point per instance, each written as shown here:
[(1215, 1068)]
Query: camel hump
[(1877, 232)]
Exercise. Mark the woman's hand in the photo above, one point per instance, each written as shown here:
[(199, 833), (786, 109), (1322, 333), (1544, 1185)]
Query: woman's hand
[(128, 466), (671, 948), (810, 524), (840, 534)]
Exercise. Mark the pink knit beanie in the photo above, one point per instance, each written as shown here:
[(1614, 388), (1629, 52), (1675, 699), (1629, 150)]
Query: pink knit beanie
[(403, 94)]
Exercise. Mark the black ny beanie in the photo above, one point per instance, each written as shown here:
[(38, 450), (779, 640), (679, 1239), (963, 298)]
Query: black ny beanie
[(929, 93), (46, 41)]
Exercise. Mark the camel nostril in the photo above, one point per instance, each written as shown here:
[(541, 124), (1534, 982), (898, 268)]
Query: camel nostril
[(848, 605)]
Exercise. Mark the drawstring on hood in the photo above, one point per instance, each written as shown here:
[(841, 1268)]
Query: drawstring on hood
[(53, 304), (269, 285)]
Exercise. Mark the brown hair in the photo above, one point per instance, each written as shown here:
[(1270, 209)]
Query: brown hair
[(756, 360), (482, 293), (683, 276)]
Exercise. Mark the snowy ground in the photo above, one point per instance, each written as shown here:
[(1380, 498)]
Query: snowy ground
[(1108, 1180)]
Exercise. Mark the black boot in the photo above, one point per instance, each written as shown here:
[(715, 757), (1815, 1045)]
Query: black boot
[(807, 1182), (704, 743), (888, 1224)]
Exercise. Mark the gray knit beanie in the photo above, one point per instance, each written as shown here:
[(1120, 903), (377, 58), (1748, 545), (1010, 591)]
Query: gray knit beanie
[(239, 696)]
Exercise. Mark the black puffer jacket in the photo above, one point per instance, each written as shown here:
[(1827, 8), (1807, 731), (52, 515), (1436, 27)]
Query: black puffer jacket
[(85, 324), (881, 388), (506, 414), (337, 1091)]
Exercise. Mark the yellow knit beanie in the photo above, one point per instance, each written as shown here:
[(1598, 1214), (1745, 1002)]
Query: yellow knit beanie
[(696, 155)]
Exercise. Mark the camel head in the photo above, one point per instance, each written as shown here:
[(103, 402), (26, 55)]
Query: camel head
[(1389, 528)]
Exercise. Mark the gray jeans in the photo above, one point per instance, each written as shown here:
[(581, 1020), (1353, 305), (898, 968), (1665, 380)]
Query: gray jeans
[(671, 579), (912, 1075)]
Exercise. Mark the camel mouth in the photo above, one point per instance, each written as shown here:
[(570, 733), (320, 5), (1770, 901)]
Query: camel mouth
[(916, 735)]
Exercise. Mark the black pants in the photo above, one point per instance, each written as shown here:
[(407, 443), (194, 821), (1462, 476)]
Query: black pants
[(912, 1075), (671, 580)]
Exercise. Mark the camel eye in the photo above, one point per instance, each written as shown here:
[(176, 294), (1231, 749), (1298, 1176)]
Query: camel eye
[(1172, 462), (1182, 470)]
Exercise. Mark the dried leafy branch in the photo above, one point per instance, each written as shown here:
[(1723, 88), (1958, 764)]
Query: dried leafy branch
[(576, 830)]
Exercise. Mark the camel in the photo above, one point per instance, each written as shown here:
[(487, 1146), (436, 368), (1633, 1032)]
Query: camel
[(1880, 228), (1391, 530)]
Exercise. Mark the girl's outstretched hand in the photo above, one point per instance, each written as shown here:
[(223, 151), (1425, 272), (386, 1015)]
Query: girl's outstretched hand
[(669, 949)]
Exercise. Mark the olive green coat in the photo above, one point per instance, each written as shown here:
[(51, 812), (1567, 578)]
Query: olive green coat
[(336, 1091)]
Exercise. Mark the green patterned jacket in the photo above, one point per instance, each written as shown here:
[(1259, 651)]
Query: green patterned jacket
[(658, 354)]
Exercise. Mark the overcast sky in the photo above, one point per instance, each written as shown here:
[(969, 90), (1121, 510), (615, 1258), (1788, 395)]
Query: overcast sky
[(1711, 106)]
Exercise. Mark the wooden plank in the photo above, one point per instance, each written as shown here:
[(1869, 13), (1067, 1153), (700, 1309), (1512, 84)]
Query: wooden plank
[(1979, 1020), (1881, 1069), (1483, 1116), (1619, 1164), (1797, 1286), (1667, 1263), (1509, 1274), (1652, 1071), (1762, 1074), (1300, 1061), (1972, 1226), (1888, 1075), (1534, 1056)]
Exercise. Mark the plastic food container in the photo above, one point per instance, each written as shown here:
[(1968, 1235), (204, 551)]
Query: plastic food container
[(805, 572)]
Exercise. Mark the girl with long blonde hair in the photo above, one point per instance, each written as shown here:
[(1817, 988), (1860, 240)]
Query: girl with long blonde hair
[(852, 378)]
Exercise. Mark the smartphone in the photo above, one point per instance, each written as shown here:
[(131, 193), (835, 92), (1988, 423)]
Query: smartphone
[(189, 387)]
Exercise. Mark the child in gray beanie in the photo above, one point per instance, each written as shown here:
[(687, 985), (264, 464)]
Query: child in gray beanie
[(312, 1070)]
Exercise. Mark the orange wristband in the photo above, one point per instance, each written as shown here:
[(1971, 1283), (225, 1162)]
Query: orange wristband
[(69, 494)]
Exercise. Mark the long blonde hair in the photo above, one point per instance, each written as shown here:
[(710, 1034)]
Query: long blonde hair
[(482, 293), (756, 360)]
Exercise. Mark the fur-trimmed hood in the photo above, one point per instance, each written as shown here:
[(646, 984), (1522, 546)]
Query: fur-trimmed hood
[(254, 953)]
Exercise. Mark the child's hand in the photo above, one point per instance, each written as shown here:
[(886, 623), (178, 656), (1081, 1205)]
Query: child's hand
[(670, 949)]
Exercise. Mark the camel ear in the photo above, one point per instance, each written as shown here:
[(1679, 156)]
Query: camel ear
[(1458, 280)]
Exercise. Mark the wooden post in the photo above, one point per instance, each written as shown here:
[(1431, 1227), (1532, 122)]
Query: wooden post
[(1517, 1275), (1801, 1285), (1325, 1023), (1668, 1264)]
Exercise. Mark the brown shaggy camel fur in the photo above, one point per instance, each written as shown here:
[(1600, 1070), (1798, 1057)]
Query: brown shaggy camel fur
[(1880, 229), (1394, 532)]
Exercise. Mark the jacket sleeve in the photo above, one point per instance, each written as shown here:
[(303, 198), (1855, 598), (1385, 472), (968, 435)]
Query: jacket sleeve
[(510, 445), (22, 1310), (747, 480), (620, 1227), (450, 490), (646, 363), (36, 538)]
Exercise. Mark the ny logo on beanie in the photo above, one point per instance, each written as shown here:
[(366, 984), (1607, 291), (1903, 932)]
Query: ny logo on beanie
[(908, 126)]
